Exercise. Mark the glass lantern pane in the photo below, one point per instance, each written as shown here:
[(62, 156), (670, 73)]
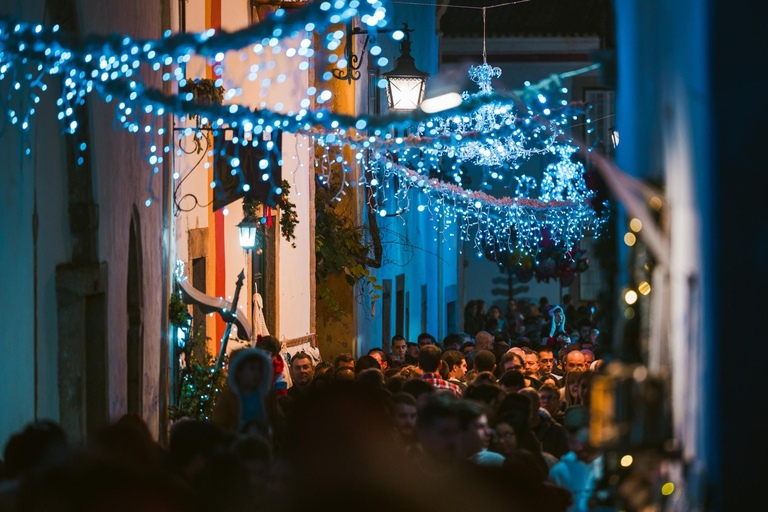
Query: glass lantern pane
[(405, 93)]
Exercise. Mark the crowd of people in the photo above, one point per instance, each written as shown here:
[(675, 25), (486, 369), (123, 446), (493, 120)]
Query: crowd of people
[(484, 420)]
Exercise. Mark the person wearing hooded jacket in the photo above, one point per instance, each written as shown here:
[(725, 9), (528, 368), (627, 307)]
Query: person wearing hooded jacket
[(244, 401)]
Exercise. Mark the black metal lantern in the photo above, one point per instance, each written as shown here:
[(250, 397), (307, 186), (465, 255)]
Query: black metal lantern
[(248, 230), (406, 84)]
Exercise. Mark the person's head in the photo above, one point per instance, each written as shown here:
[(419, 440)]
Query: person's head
[(557, 315), (419, 389), (514, 434), (587, 345), (381, 357), (546, 359), (584, 326), (191, 444), (534, 419), (589, 357), (344, 373), (484, 378), (531, 363), (484, 341), (323, 368), (470, 309), (429, 358), (480, 308), (512, 381), (576, 425), (516, 403), (467, 347), (494, 312), (302, 369), (344, 360), (425, 339), (572, 388), (549, 396), (403, 413), (372, 377), (39, 443), (475, 432), (567, 299), (398, 347), (437, 424), (250, 370), (412, 349), (593, 334), (549, 380), (543, 303), (575, 361), (489, 394), (585, 387), (269, 344), (512, 361), (485, 361), (511, 305), (453, 341), (456, 364), (366, 362)]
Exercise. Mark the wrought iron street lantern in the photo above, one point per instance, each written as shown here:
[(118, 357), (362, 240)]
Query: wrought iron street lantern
[(406, 84), (248, 230)]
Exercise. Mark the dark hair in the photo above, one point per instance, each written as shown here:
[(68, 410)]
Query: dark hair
[(395, 383), (484, 378), (485, 361), (583, 322), (452, 358), (512, 379), (34, 445), (397, 337), (453, 339), (343, 358), (371, 377), (468, 411), (544, 348), (302, 355), (551, 389), (426, 335), (253, 447), (438, 406), (486, 393), (404, 399), (510, 356), (527, 351), (515, 403), (192, 437), (502, 337), (411, 344), (384, 355), (467, 344), (417, 387), (429, 358), (366, 362), (322, 365), (269, 344)]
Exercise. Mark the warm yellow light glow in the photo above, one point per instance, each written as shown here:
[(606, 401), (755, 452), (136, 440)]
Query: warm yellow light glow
[(644, 288), (635, 225), (655, 203), (626, 461), (630, 239), (630, 297), (668, 488)]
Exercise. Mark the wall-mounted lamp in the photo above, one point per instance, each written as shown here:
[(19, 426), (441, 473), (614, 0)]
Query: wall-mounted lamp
[(406, 85), (248, 230)]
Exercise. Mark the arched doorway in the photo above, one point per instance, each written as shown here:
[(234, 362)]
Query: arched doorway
[(135, 338)]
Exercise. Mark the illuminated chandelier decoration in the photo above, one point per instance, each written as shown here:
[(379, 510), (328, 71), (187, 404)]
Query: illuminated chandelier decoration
[(506, 138)]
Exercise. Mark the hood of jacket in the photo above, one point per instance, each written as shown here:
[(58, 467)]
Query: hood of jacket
[(245, 355)]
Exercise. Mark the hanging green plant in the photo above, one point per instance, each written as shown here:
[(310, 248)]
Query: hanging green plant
[(289, 218), (178, 314)]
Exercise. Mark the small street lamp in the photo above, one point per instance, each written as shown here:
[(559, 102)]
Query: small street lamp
[(248, 230), (406, 84)]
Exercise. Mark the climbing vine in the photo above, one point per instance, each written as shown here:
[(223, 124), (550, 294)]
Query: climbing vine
[(289, 218)]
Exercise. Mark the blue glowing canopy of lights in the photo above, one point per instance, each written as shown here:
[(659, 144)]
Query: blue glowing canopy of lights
[(489, 129)]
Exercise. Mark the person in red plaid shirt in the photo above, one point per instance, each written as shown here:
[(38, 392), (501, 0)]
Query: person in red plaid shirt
[(429, 362)]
